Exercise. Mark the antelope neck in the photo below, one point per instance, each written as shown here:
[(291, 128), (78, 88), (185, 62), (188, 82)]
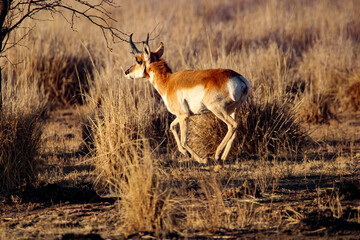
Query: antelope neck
[(158, 73)]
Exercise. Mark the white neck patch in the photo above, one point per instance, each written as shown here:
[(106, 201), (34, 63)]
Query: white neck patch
[(152, 80)]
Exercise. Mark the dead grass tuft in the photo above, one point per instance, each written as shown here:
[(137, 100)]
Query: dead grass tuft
[(125, 158), (63, 67), (330, 72), (21, 118), (263, 127), (349, 97), (127, 168), (19, 144)]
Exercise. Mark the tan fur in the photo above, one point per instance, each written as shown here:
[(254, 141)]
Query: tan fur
[(168, 83), (220, 91)]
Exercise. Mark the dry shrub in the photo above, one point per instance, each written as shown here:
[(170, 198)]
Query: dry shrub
[(317, 108), (129, 170), (65, 77), (60, 63), (20, 133), (127, 110), (329, 70), (349, 96), (19, 143), (327, 64), (126, 125), (63, 73), (268, 127)]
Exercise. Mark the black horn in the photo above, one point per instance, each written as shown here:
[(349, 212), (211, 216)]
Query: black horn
[(134, 50)]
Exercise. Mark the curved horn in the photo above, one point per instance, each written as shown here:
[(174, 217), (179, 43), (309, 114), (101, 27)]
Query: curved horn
[(134, 50), (147, 40)]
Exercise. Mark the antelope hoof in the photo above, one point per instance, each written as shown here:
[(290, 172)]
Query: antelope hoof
[(219, 163), (218, 160)]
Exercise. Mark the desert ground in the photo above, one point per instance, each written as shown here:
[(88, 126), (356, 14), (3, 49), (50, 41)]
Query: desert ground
[(88, 154)]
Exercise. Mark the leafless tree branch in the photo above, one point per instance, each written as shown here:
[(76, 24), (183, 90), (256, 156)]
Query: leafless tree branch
[(97, 12)]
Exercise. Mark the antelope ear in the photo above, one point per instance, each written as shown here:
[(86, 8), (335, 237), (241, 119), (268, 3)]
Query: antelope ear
[(160, 50), (146, 52)]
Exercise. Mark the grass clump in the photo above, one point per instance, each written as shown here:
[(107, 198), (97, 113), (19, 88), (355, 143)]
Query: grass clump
[(264, 127), (124, 157), (330, 71), (20, 133), (19, 144), (62, 66), (129, 171)]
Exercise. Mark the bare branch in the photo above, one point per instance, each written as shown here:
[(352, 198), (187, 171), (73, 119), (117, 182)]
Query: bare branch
[(97, 13)]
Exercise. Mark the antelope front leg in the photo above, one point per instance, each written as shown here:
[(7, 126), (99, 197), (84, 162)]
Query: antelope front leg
[(184, 127), (176, 136)]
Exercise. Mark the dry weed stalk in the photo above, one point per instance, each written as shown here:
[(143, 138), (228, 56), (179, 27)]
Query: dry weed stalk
[(329, 200)]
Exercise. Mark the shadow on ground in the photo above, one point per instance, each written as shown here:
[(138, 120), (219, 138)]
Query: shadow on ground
[(55, 193)]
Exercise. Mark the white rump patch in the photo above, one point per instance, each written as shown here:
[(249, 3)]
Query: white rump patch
[(236, 86)]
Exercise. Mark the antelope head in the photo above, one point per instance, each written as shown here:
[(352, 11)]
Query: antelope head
[(143, 58)]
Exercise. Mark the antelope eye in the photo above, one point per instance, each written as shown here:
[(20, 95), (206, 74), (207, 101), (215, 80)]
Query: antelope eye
[(139, 61)]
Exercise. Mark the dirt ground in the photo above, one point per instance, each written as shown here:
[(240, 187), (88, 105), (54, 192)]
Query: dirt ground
[(64, 205)]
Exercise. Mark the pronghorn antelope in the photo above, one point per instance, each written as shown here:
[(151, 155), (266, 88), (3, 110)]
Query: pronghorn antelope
[(190, 92)]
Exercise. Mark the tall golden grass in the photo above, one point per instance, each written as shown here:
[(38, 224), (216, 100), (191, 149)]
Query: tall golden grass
[(124, 157), (21, 117)]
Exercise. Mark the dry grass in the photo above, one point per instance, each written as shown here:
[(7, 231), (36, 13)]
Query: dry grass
[(324, 68), (126, 165), (294, 66), (145, 203), (21, 117), (301, 58), (264, 127), (124, 157), (63, 68)]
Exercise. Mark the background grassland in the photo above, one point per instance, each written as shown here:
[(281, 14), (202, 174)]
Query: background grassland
[(302, 59)]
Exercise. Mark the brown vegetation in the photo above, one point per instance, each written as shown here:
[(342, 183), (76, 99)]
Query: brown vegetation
[(292, 169), (21, 118)]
